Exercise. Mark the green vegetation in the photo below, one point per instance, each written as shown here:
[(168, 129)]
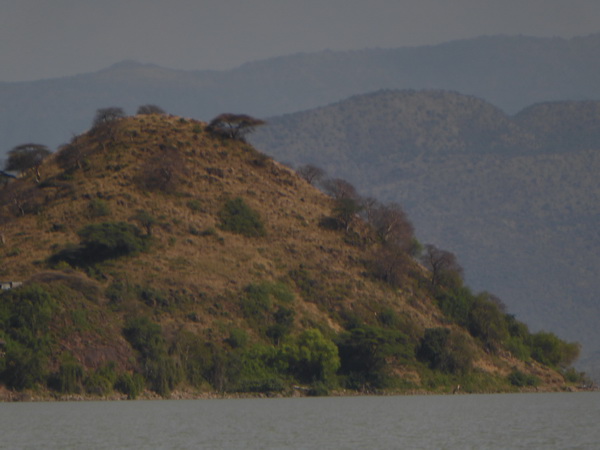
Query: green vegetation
[(237, 217), (99, 242)]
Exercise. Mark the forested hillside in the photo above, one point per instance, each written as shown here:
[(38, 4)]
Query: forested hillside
[(515, 197), (156, 255)]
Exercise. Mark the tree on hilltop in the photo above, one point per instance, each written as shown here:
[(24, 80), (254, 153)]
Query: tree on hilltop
[(150, 109), (106, 115), (234, 126), (25, 157)]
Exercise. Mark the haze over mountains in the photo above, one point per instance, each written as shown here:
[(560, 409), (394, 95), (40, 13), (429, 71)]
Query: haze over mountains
[(499, 179), (510, 72)]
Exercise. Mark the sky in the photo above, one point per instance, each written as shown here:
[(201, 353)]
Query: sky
[(54, 38)]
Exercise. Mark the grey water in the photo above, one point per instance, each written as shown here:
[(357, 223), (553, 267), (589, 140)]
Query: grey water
[(498, 421)]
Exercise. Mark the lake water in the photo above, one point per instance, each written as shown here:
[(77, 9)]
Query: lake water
[(507, 421)]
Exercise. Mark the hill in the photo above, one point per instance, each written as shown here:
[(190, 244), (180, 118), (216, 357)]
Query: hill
[(156, 253), (515, 197), (511, 72)]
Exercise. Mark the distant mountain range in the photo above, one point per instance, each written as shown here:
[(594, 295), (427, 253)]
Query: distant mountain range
[(515, 197), (509, 72)]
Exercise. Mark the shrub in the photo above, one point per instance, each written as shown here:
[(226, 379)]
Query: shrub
[(96, 384), (487, 323), (111, 240), (24, 367), (69, 378), (194, 205), (365, 353), (312, 357), (159, 369), (98, 208), (548, 349), (101, 380), (237, 217), (238, 338), (129, 384), (145, 336), (445, 350), (521, 379), (255, 369)]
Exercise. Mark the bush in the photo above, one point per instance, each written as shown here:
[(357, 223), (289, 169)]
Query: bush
[(131, 385), (24, 367), (69, 378), (445, 350), (238, 338), (25, 316), (98, 208), (521, 379), (111, 240), (255, 369), (312, 357), (100, 242), (160, 370), (487, 323), (237, 217), (194, 356), (548, 349), (101, 381), (366, 352)]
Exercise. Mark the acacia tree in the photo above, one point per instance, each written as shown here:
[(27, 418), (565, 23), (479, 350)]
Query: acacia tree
[(150, 109), (107, 115), (391, 225), (25, 157), (390, 264), (339, 189), (442, 264), (345, 211), (311, 173), (234, 126)]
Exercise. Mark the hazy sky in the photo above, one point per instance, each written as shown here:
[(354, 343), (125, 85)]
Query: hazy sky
[(50, 38)]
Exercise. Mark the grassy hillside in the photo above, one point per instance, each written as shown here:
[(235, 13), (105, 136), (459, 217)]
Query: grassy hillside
[(515, 197), (157, 256)]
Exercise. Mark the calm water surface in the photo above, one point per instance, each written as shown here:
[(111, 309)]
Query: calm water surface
[(511, 421)]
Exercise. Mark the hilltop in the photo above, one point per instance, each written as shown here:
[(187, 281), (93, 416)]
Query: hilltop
[(514, 196), (158, 254)]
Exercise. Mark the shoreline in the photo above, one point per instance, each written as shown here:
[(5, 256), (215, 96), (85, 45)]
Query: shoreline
[(8, 396)]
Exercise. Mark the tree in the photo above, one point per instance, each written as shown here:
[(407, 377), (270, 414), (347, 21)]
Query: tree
[(446, 350), (487, 322), (25, 157), (339, 188), (391, 225), (107, 115), (145, 219), (345, 211), (150, 109), (390, 264), (313, 357), (443, 265), (311, 173), (234, 126)]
